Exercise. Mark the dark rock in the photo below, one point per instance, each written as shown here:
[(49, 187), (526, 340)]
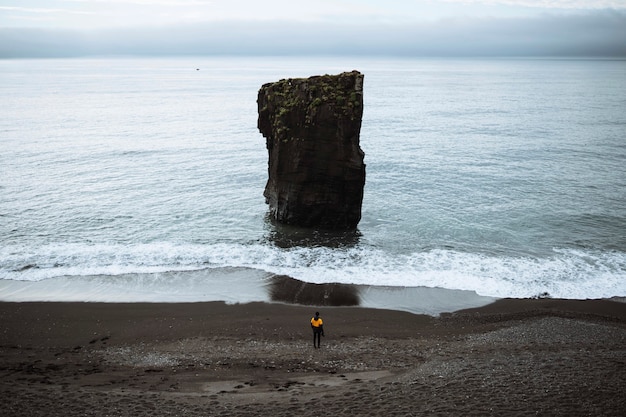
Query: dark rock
[(316, 169)]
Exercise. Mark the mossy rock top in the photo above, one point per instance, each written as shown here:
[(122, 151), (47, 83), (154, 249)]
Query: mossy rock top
[(303, 101)]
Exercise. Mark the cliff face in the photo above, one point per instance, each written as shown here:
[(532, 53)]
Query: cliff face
[(316, 169)]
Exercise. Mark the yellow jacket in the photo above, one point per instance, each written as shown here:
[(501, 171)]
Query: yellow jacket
[(317, 323)]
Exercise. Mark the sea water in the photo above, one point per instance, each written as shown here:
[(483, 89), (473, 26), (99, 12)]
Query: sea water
[(142, 179)]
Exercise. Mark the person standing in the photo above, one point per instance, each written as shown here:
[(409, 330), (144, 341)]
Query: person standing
[(318, 328)]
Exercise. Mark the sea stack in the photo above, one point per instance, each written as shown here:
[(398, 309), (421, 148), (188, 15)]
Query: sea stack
[(316, 170)]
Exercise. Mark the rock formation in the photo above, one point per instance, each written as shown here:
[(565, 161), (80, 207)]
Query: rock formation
[(316, 169)]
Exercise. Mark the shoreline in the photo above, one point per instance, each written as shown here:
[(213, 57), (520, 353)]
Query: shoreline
[(513, 356), (244, 285)]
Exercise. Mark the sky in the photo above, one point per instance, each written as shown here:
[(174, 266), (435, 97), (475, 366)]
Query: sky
[(49, 28)]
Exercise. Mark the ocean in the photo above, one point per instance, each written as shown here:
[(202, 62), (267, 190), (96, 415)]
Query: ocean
[(141, 179)]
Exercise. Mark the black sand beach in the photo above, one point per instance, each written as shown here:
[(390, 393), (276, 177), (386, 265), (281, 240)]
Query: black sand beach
[(513, 357)]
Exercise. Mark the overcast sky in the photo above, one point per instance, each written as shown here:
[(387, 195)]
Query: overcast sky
[(382, 27)]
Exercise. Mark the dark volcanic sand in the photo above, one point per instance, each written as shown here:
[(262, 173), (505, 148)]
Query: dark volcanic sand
[(513, 357)]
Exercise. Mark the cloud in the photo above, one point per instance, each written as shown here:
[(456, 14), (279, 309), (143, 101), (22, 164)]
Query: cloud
[(596, 33), (549, 4), (152, 13), (92, 14), (43, 10)]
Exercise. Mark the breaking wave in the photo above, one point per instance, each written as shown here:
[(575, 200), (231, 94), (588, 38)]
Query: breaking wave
[(563, 273)]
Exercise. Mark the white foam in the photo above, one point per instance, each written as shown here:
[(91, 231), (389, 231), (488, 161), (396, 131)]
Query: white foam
[(564, 273), (243, 285), (54, 260)]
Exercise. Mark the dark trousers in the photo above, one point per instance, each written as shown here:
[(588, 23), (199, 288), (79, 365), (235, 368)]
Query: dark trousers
[(317, 333)]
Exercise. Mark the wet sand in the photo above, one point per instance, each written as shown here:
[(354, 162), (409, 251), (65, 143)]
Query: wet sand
[(513, 357)]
